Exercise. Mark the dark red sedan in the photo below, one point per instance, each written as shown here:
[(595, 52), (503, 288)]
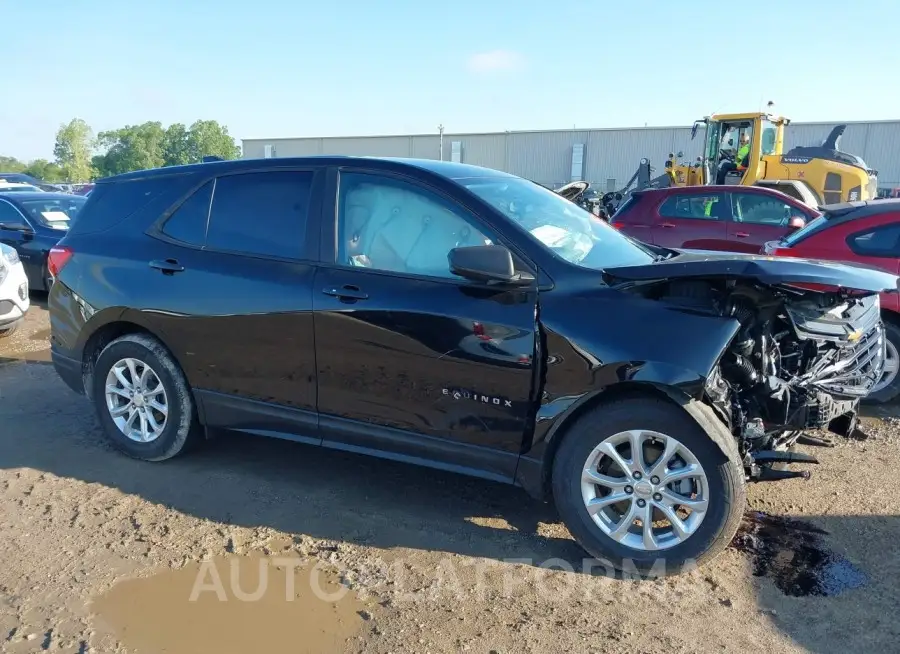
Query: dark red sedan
[(731, 218), (865, 233)]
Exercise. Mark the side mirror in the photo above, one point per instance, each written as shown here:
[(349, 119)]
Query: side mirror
[(796, 222), (487, 263), (16, 227)]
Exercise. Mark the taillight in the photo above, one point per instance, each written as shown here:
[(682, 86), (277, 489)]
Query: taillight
[(57, 259), (618, 225)]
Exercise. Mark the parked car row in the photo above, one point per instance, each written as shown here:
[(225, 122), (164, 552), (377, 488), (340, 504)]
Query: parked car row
[(460, 318)]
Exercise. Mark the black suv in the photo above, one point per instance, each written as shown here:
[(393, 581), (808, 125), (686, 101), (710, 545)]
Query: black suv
[(462, 318)]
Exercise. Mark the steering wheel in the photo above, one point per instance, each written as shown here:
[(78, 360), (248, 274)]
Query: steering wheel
[(726, 155)]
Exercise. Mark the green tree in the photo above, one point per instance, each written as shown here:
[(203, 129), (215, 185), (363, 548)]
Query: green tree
[(11, 165), (47, 171), (208, 138), (73, 150), (176, 149), (133, 147)]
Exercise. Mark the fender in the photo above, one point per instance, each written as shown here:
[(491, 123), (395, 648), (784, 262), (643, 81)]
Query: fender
[(682, 386)]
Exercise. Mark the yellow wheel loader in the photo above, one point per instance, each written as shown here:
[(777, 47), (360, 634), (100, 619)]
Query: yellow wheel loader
[(748, 149)]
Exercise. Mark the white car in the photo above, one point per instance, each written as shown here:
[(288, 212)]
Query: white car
[(14, 301), (9, 187)]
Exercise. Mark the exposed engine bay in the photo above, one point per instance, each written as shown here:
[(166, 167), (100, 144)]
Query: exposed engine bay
[(802, 359)]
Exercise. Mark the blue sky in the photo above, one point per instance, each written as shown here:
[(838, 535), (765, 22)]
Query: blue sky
[(276, 68)]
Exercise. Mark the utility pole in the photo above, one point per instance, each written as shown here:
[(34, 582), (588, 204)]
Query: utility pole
[(441, 132)]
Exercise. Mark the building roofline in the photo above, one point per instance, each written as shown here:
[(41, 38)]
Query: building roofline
[(543, 131)]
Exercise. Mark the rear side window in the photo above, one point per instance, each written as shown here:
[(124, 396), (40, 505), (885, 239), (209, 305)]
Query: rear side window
[(261, 213), (111, 203), (876, 242), (188, 222), (709, 206)]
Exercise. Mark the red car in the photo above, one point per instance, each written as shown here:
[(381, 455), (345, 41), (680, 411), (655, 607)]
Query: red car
[(731, 218), (866, 233)]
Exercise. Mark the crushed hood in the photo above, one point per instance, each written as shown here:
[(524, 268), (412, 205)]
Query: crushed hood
[(772, 271), (573, 190)]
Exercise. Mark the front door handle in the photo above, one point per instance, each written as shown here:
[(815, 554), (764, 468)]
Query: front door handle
[(742, 234), (667, 225), (346, 292), (167, 266)]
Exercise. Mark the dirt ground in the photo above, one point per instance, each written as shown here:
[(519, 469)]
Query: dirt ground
[(101, 553)]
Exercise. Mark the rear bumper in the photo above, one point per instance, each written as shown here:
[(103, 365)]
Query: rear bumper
[(69, 370)]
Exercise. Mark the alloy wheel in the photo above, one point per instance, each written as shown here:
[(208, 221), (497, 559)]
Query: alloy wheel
[(136, 400), (891, 367), (644, 489)]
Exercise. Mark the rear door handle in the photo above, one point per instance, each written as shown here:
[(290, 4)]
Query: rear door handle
[(667, 224), (346, 292), (167, 266), (742, 234)]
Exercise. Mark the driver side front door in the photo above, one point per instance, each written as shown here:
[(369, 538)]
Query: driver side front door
[(410, 358)]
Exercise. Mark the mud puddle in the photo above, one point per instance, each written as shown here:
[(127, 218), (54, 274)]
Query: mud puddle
[(234, 604), (792, 553)]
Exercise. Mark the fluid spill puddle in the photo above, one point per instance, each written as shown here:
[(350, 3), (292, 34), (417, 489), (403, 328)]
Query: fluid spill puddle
[(793, 555), (234, 604)]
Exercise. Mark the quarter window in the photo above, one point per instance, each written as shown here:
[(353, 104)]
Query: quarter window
[(878, 242), (8, 214), (260, 213), (387, 224), (188, 223), (709, 206)]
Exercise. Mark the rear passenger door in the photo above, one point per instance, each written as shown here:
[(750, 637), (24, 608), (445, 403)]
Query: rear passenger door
[(694, 221), (234, 269), (758, 218)]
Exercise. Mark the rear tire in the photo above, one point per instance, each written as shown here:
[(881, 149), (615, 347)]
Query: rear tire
[(659, 425), (892, 389), (143, 400)]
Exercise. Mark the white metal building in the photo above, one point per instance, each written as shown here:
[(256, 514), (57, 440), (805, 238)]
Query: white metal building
[(606, 158)]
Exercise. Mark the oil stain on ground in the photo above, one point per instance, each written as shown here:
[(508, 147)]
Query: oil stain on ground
[(234, 604), (793, 555)]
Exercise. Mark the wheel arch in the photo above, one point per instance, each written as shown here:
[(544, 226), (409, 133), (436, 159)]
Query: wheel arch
[(106, 327), (698, 410)]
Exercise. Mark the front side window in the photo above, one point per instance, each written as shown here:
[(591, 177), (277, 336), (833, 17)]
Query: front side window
[(762, 210), (388, 224), (558, 225), (261, 213), (878, 242), (707, 206)]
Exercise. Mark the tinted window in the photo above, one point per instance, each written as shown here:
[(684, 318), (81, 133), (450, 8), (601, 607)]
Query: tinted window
[(709, 206), (762, 209), (111, 203), (391, 225), (8, 214), (188, 222), (878, 242), (260, 213)]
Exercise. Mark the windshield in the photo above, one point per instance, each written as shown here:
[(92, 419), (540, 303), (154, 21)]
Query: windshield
[(809, 229), (560, 226), (55, 213)]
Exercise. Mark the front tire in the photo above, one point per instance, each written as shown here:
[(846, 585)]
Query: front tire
[(143, 400), (9, 331), (677, 504), (888, 387)]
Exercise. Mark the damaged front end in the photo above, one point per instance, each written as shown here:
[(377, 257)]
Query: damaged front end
[(801, 360)]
